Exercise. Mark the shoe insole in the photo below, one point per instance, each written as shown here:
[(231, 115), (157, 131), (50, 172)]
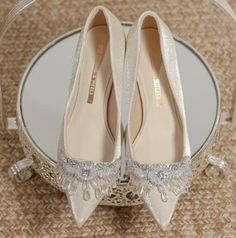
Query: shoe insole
[(92, 124), (155, 126)]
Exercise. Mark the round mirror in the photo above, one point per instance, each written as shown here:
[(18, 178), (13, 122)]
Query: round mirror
[(45, 86)]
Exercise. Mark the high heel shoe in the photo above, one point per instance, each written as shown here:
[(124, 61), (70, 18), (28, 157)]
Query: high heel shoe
[(90, 143), (158, 151)]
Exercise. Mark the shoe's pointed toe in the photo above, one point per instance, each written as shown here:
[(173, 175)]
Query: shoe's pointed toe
[(161, 211), (80, 208)]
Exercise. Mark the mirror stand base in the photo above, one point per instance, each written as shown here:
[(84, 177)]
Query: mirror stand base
[(22, 170)]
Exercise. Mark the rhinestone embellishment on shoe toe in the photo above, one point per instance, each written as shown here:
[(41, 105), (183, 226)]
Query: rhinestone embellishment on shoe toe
[(100, 177), (165, 177)]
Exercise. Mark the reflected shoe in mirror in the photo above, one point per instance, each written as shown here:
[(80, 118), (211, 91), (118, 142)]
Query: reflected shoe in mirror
[(158, 151), (90, 143)]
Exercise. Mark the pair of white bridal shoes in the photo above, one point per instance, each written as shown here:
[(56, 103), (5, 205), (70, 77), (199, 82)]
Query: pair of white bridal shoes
[(158, 159)]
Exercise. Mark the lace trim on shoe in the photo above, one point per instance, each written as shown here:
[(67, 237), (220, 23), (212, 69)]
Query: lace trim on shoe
[(101, 177), (174, 177)]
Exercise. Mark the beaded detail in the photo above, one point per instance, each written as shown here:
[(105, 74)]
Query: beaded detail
[(174, 177), (101, 177)]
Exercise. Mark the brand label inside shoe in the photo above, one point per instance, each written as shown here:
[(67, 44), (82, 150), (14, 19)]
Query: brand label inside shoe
[(92, 88), (98, 60), (157, 89)]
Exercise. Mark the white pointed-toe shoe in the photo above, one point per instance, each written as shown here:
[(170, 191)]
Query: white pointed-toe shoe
[(158, 151), (90, 143)]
